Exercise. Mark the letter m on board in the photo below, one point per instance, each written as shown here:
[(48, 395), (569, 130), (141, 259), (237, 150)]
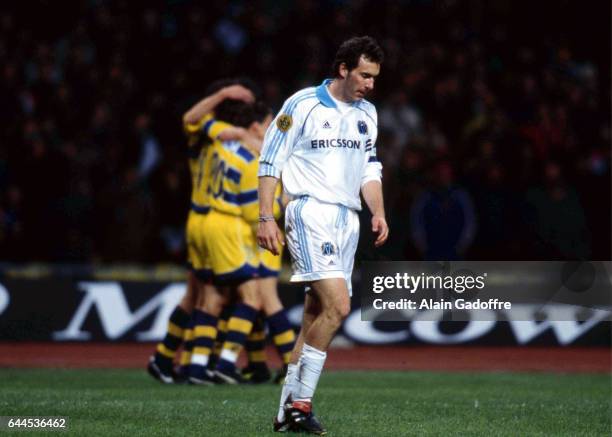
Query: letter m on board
[(115, 315)]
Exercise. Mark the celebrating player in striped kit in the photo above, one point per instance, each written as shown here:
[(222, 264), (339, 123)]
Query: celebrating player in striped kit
[(198, 125), (322, 143)]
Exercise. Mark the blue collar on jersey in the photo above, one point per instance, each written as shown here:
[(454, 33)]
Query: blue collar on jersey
[(325, 98)]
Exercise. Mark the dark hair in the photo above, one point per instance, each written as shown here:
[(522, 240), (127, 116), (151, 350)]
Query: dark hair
[(260, 111), (352, 49), (237, 112), (242, 114)]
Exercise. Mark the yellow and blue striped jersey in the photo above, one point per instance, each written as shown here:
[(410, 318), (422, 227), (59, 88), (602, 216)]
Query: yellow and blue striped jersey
[(234, 180), (232, 184), (199, 151)]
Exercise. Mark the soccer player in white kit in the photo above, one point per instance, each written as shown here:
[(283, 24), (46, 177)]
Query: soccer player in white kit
[(322, 144)]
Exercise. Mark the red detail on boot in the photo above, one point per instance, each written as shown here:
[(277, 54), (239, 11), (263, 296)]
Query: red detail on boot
[(304, 407)]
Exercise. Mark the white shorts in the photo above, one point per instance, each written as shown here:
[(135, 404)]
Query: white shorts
[(322, 240)]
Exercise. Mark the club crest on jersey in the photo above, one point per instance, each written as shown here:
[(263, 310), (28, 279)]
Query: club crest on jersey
[(284, 122), (327, 248), (362, 127)]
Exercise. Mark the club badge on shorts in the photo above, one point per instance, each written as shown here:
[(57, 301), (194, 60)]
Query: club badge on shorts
[(362, 127), (327, 249), (284, 122)]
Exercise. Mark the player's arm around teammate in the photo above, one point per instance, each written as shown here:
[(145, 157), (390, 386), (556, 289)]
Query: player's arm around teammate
[(208, 103)]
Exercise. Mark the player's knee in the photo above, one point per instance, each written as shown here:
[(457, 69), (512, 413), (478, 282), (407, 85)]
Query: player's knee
[(252, 302), (270, 303), (189, 300), (187, 303), (213, 304), (343, 309), (338, 312), (249, 294), (252, 299)]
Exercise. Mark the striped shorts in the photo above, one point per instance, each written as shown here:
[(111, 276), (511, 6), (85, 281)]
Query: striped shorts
[(322, 239)]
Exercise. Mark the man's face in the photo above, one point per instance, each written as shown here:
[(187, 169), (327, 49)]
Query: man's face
[(360, 80)]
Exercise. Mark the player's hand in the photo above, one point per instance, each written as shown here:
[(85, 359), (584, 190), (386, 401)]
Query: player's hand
[(270, 237), (238, 92), (380, 227)]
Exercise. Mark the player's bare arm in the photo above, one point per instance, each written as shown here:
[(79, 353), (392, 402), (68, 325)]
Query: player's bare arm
[(269, 235), (233, 133), (372, 194), (208, 104), (243, 135)]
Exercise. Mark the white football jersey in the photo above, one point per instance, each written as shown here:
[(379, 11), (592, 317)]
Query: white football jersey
[(321, 151)]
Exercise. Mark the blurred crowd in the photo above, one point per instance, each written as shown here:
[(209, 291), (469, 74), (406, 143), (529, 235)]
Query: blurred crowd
[(494, 120)]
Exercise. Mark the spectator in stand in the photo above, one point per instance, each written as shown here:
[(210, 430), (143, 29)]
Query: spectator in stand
[(74, 87), (442, 219), (556, 217)]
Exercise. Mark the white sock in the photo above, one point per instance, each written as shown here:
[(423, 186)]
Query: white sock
[(311, 365), (288, 386)]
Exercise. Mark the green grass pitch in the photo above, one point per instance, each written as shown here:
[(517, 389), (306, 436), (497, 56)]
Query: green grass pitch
[(129, 402)]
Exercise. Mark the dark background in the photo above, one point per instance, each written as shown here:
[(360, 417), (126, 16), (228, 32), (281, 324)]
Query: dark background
[(494, 120)]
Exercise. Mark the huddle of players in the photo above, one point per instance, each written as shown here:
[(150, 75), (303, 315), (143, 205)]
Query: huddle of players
[(232, 283)]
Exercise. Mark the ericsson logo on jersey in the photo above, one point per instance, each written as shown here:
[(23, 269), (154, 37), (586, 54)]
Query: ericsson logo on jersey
[(341, 143)]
